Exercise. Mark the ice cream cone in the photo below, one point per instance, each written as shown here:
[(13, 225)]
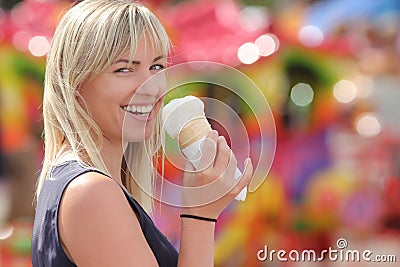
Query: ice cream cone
[(192, 131)]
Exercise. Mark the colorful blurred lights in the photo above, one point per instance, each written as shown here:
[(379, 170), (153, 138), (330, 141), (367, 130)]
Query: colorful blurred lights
[(302, 94), (39, 46), (311, 36), (20, 40), (248, 53), (345, 91), (21, 14), (253, 18), (267, 44), (368, 125)]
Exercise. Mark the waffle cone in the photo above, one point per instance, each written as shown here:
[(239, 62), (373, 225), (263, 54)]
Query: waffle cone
[(193, 131)]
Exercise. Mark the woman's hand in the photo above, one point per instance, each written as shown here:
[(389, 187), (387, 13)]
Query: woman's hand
[(212, 187)]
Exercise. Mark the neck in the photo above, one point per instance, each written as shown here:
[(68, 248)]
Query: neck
[(112, 156)]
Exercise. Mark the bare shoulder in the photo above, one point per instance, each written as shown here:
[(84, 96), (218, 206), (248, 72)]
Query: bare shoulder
[(92, 188), (98, 227)]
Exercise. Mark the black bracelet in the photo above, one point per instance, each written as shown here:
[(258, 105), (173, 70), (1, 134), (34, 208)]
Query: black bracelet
[(198, 217)]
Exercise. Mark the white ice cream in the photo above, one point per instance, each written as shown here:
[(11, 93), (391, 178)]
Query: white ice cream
[(179, 111)]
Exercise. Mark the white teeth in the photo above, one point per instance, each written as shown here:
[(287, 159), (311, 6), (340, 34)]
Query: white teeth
[(138, 109)]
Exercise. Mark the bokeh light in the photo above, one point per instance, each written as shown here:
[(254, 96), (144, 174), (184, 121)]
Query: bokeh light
[(368, 125), (267, 44), (302, 94), (248, 53), (253, 18), (21, 40), (39, 46), (226, 14), (345, 91), (21, 14), (311, 36)]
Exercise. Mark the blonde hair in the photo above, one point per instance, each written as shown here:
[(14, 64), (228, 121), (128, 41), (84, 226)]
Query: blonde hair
[(88, 38)]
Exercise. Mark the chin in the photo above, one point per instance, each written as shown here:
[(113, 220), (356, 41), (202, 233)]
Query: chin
[(137, 136)]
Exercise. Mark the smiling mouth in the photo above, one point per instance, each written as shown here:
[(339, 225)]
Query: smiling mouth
[(138, 110)]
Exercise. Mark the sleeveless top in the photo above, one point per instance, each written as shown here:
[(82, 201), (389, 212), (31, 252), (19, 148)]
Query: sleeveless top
[(46, 245)]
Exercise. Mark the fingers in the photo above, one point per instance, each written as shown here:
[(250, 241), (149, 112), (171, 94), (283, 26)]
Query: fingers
[(213, 135), (223, 156), (223, 161), (218, 161), (246, 177)]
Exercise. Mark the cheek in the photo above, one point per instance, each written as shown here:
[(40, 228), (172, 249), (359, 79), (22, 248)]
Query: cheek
[(105, 112), (161, 83)]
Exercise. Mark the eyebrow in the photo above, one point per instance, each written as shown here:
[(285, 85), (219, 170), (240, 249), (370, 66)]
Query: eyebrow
[(124, 60)]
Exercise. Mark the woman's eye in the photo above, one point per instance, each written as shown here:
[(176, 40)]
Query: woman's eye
[(157, 67), (123, 70)]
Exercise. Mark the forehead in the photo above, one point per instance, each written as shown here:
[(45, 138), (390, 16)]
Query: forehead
[(145, 49)]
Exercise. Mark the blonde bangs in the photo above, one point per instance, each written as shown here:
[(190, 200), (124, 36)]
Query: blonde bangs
[(140, 23), (124, 26)]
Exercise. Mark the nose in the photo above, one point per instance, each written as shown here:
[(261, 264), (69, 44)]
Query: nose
[(152, 84)]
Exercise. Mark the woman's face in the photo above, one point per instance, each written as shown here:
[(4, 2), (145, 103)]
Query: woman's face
[(115, 102)]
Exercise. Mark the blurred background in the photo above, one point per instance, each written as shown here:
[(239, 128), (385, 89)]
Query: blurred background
[(330, 71)]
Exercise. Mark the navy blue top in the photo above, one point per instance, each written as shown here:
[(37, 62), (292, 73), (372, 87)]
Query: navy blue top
[(46, 245)]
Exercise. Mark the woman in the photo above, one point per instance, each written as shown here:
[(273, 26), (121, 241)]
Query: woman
[(90, 211)]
